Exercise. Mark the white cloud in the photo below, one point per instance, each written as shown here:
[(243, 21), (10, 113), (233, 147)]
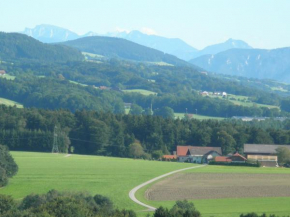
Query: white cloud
[(148, 31)]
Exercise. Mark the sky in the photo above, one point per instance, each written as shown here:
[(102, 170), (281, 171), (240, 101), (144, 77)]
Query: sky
[(261, 23)]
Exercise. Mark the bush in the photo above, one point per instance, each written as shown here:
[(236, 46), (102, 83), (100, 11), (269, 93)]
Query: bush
[(6, 203), (180, 209), (246, 164), (7, 162), (3, 177)]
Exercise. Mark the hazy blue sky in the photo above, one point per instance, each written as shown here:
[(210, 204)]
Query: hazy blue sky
[(261, 23)]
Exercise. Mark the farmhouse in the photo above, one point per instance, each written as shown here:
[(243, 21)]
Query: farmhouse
[(197, 154), (204, 93), (2, 72), (235, 158), (264, 153)]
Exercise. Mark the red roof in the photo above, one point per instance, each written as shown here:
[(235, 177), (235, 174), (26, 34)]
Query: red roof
[(238, 155), (222, 159), (182, 150), (235, 157), (169, 156), (2, 72)]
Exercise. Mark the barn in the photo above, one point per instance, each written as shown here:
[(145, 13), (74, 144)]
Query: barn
[(264, 153)]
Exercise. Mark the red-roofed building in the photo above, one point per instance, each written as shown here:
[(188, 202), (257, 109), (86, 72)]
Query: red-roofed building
[(235, 158), (2, 72), (197, 154)]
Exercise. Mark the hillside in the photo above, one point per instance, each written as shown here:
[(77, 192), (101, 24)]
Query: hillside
[(15, 46), (252, 63), (121, 48)]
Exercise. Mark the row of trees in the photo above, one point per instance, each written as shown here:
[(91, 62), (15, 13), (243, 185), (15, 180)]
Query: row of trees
[(91, 132), (59, 204)]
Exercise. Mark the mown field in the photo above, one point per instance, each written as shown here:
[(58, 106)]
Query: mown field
[(112, 177), (10, 103), (243, 101), (270, 190), (197, 116), (141, 91)]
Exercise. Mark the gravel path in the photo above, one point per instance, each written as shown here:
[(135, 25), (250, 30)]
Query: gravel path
[(134, 190)]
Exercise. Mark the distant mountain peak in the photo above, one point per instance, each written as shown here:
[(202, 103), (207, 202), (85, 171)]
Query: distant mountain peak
[(50, 34)]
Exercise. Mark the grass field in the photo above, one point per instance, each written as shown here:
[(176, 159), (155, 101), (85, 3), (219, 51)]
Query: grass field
[(231, 207), (8, 77), (112, 177), (141, 91), (243, 101), (199, 117), (74, 82), (10, 103), (92, 55), (160, 63)]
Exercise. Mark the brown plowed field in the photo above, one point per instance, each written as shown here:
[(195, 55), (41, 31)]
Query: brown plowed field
[(211, 186)]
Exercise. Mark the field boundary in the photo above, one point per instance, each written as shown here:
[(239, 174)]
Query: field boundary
[(134, 190)]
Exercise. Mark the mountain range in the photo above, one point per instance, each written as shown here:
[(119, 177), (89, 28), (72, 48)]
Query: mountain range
[(173, 46), (253, 63)]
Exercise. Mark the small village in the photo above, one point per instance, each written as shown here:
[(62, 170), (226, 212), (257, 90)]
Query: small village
[(264, 155)]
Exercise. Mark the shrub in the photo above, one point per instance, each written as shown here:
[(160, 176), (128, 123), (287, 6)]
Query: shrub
[(3, 177), (246, 164)]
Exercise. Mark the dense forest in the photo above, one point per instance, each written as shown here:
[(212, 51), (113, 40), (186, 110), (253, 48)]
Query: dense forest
[(98, 133)]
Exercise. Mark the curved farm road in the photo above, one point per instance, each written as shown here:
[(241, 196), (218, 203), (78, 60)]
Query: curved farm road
[(134, 190)]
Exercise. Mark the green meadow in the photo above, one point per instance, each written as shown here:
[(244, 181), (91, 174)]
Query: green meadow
[(197, 116), (10, 103), (243, 101), (232, 207), (8, 77), (112, 177), (141, 91)]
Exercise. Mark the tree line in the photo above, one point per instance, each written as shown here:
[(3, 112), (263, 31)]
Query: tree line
[(99, 133)]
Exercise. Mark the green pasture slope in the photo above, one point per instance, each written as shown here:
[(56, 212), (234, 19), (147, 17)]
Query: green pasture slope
[(197, 116), (232, 207), (112, 177), (141, 91), (243, 101), (10, 103)]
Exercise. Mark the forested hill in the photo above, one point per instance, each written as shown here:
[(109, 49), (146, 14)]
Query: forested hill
[(124, 49), (19, 46), (253, 63)]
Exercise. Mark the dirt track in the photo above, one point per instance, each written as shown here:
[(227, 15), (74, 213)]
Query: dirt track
[(211, 186)]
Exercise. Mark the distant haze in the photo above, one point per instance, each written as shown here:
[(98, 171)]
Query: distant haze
[(262, 24)]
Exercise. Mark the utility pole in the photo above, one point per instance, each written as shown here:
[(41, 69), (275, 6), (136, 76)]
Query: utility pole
[(55, 144)]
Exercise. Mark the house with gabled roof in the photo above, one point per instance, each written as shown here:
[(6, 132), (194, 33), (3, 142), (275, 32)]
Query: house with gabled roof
[(2, 72), (197, 154), (266, 154)]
